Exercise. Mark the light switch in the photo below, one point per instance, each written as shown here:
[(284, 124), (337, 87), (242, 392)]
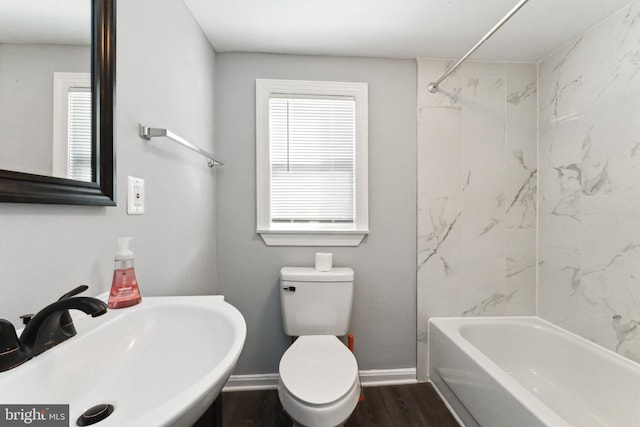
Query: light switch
[(135, 195)]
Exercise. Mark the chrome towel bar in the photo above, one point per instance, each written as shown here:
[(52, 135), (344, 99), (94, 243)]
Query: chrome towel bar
[(148, 133)]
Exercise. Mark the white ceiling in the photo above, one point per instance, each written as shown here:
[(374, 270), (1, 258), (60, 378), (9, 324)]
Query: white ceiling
[(376, 28), (45, 21), (397, 28)]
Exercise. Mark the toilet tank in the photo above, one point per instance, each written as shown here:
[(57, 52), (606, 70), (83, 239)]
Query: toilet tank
[(316, 302)]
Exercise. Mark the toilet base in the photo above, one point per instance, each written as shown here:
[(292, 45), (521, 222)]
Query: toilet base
[(295, 424), (332, 415)]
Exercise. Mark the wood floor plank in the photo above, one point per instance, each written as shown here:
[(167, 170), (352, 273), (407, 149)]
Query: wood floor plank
[(413, 405), (253, 409)]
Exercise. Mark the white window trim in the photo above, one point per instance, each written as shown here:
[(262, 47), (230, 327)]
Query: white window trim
[(62, 83), (310, 234)]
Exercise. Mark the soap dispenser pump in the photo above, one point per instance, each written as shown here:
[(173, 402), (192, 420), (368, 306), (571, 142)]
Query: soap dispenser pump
[(124, 289)]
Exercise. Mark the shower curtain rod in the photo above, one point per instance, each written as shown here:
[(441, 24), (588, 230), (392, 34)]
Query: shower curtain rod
[(433, 86)]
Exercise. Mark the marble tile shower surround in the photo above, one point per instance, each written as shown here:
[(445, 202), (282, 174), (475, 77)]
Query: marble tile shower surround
[(477, 177), (589, 184)]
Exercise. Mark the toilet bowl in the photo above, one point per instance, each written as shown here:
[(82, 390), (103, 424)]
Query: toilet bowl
[(318, 384)]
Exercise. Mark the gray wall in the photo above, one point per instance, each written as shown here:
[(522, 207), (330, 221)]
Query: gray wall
[(384, 318), (165, 79), (26, 101)]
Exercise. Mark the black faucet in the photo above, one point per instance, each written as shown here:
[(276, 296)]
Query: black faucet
[(12, 353), (51, 326)]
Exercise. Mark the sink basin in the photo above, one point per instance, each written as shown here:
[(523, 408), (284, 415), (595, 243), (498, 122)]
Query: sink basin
[(159, 363)]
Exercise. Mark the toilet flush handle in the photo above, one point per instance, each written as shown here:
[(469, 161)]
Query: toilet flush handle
[(290, 288)]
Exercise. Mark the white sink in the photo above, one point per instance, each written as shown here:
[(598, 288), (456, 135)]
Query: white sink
[(159, 363)]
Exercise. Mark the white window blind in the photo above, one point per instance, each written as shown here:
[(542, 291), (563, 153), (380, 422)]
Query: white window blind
[(312, 152), (79, 134)]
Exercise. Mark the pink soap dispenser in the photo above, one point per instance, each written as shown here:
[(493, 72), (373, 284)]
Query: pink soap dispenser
[(124, 289)]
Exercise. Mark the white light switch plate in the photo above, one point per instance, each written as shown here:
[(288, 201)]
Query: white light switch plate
[(135, 195)]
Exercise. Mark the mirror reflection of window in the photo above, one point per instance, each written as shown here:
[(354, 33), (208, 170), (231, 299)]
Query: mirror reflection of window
[(79, 133), (72, 126)]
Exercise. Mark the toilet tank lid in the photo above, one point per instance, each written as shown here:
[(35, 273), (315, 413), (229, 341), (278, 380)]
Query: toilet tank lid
[(308, 274)]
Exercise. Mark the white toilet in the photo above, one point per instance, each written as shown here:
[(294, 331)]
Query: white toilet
[(318, 384)]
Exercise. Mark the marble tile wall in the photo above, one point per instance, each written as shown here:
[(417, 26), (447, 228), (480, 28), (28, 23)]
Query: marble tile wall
[(589, 184), (477, 176)]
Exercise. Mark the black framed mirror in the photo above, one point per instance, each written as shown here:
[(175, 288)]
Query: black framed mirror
[(99, 189)]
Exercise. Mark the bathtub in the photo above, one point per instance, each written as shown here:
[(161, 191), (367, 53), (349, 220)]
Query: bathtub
[(524, 371)]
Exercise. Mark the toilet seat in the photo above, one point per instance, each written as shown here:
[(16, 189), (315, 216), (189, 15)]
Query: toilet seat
[(318, 370)]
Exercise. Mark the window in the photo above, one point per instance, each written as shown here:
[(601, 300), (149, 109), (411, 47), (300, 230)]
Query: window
[(72, 126), (79, 134), (311, 157)]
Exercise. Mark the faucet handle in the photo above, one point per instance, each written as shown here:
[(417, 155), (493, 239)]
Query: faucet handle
[(78, 290), (26, 318), (12, 353)]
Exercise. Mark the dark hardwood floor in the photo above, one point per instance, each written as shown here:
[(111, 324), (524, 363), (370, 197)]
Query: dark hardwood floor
[(415, 405)]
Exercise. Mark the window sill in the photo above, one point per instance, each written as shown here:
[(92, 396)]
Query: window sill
[(313, 238)]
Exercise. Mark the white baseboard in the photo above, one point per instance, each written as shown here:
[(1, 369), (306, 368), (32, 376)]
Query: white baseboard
[(251, 382), (380, 377), (369, 378)]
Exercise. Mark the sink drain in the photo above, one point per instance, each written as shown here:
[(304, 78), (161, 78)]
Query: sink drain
[(95, 414)]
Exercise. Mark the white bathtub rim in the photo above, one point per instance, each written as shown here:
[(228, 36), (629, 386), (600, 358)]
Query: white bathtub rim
[(506, 381), (450, 327), (617, 357)]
